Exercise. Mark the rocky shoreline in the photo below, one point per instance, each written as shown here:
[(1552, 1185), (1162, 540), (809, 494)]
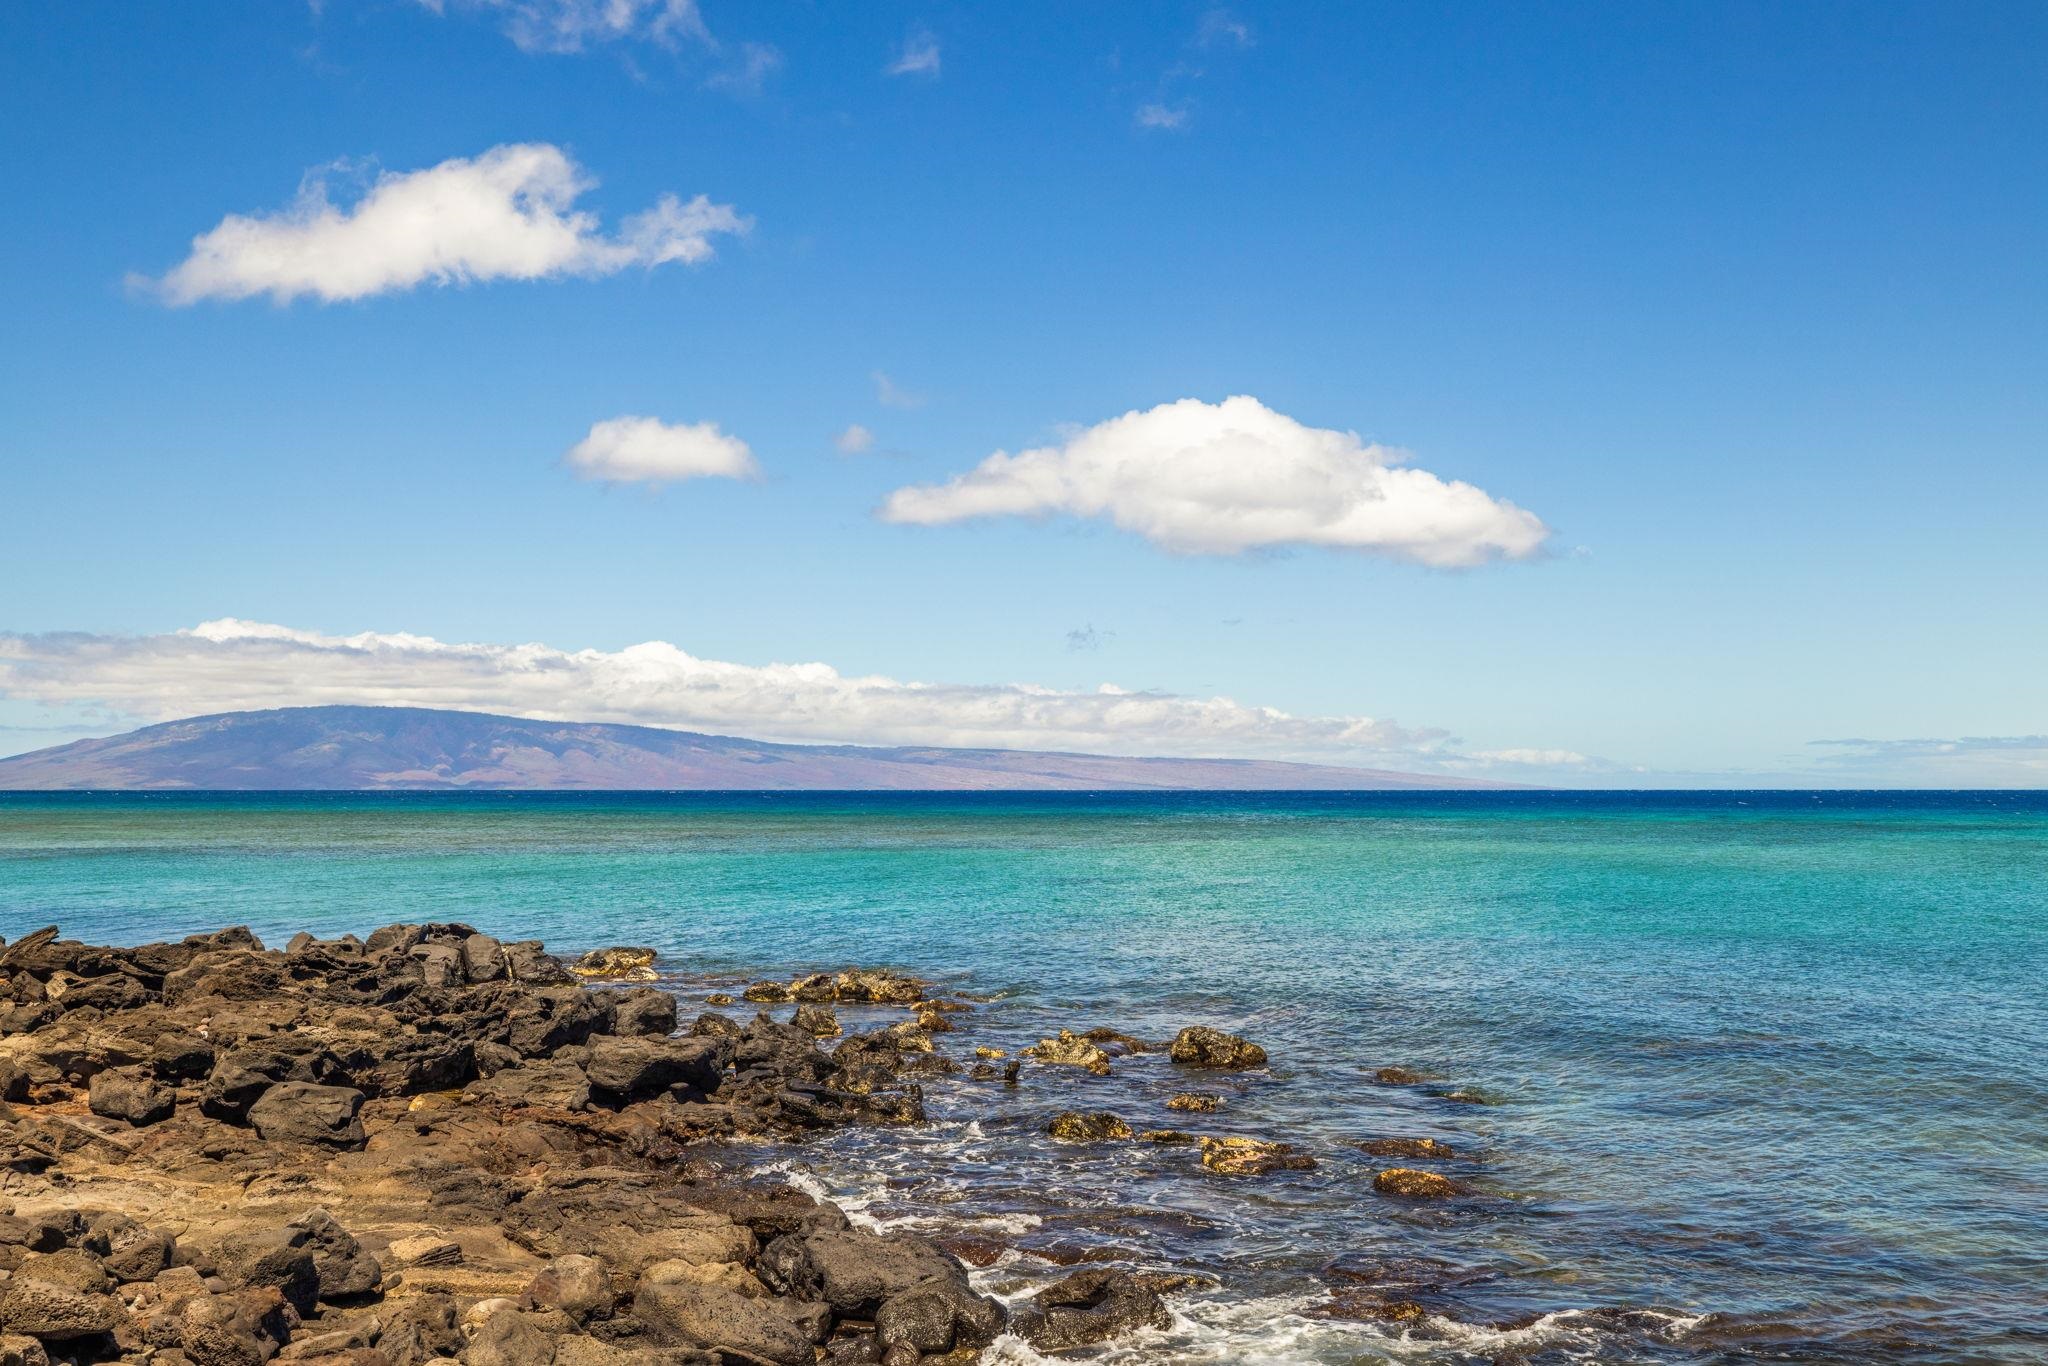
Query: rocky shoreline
[(429, 1144)]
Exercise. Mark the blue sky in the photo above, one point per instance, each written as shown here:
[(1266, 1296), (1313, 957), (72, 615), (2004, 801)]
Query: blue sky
[(1746, 303)]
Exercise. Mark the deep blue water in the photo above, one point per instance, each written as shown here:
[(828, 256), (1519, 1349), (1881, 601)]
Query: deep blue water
[(1768, 1071)]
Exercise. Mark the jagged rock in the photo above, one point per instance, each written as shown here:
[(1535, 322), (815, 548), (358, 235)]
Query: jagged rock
[(1088, 1307), (697, 1315), (55, 1312), (575, 1284), (345, 1269), (1076, 1126), (1071, 1050), (131, 1094), (300, 1112), (643, 1010), (277, 1258), (1414, 1184), (1201, 1046), (617, 964), (817, 1020), (644, 1067), (528, 962), (1252, 1157), (551, 1085)]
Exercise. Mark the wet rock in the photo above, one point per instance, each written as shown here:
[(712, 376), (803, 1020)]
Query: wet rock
[(1170, 1136), (1070, 1050), (991, 1054), (938, 1316), (616, 964), (1201, 1046), (1195, 1102), (711, 1024), (643, 1011), (1252, 1157), (816, 1020), (852, 1270), (344, 1268), (1414, 1184), (1470, 1098), (1076, 1126), (766, 993), (1407, 1147), (1090, 1306), (1398, 1076), (694, 1315), (131, 1094), (719, 998), (299, 1112)]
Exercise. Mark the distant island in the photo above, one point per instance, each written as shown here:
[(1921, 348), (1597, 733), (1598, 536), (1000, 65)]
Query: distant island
[(346, 749)]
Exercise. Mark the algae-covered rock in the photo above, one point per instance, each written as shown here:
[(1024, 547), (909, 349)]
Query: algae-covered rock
[(622, 964), (1201, 1046), (1069, 1049), (1252, 1157), (1414, 1184), (1407, 1147), (1195, 1102), (1076, 1126)]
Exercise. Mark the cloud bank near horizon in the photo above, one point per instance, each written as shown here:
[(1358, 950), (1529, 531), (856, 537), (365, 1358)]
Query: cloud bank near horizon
[(508, 214), (234, 665), (1198, 478)]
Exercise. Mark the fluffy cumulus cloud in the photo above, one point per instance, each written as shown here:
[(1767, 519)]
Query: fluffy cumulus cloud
[(646, 450), (230, 665), (508, 214), (573, 25), (1224, 478)]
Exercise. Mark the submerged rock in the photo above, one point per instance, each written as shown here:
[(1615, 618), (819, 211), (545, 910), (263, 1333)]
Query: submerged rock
[(1201, 1046), (1407, 1147), (1195, 1102), (1252, 1157), (1398, 1076), (1415, 1184), (1075, 1126)]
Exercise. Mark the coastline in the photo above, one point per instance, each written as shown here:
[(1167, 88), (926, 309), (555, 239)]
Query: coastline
[(432, 1143)]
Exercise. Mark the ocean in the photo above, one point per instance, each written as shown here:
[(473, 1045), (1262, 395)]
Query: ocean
[(1728, 1076)]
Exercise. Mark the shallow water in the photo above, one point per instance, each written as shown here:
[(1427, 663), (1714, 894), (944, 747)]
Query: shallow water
[(1768, 1072)]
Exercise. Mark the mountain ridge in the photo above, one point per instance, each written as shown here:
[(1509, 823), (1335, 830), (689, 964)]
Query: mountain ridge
[(348, 748)]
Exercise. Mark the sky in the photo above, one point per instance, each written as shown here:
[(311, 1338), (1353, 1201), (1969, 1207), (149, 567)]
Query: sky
[(1639, 394)]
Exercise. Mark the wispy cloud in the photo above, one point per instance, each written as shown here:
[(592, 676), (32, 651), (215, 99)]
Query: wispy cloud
[(890, 394), (854, 440), (1164, 117), (575, 25), (1221, 27), (1224, 478), (646, 450), (919, 55), (506, 215), (1968, 761), (232, 665), (748, 72), (1087, 638)]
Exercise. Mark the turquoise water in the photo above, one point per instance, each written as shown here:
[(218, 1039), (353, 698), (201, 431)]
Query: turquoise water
[(1769, 1072)]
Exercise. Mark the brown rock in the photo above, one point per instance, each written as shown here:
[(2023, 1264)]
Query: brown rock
[(1414, 1184)]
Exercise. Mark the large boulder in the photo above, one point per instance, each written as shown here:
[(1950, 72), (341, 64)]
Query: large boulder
[(693, 1314), (575, 1284), (643, 1010), (53, 1311), (278, 1259), (345, 1269), (299, 1112), (1201, 1046), (640, 1067), (552, 1085), (131, 1094), (1088, 1307), (853, 1270), (937, 1316)]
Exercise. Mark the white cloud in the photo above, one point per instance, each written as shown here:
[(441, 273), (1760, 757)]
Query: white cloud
[(919, 55), (572, 25), (1223, 478), (507, 214), (648, 450), (1221, 26), (854, 440), (1162, 116), (890, 394), (231, 665), (1968, 761)]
